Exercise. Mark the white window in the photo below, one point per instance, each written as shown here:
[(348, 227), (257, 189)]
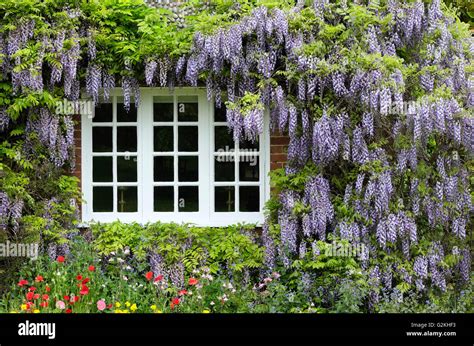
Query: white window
[(172, 159)]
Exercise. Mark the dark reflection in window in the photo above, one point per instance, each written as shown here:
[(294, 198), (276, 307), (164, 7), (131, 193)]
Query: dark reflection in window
[(188, 108), (224, 198), (127, 199), (123, 115), (102, 169), (102, 139), (248, 168), (223, 140), (163, 168), (188, 198), (126, 138), (102, 197), (127, 168), (163, 108), (224, 171), (249, 198), (163, 198), (188, 138), (103, 113), (163, 138), (188, 168)]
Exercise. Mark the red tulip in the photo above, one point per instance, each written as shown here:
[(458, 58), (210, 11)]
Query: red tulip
[(66, 298), (175, 301), (39, 278), (48, 289), (159, 278), (86, 280), (91, 268), (44, 304), (60, 259), (76, 299), (29, 295), (45, 297), (182, 292), (36, 296), (32, 289), (84, 290), (79, 277), (149, 276), (192, 281), (22, 283), (68, 311)]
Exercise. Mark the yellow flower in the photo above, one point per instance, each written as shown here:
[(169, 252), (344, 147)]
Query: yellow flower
[(153, 307), (127, 304), (125, 311), (133, 307), (13, 312), (158, 312), (205, 311), (36, 311), (117, 305), (118, 311), (24, 307)]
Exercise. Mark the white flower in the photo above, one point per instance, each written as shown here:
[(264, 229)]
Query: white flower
[(199, 297), (233, 290), (212, 303), (126, 251), (120, 260), (125, 278), (112, 253)]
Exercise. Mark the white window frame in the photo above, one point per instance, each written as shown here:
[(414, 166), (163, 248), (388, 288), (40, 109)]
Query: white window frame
[(206, 216)]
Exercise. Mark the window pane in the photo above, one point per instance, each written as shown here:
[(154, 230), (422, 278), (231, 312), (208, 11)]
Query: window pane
[(224, 198), (123, 115), (163, 198), (126, 138), (127, 199), (188, 108), (163, 108), (127, 168), (224, 169), (103, 113), (188, 168), (163, 138), (249, 168), (188, 198), (188, 138), (246, 144), (101, 139), (102, 169), (219, 113), (249, 199), (163, 168), (223, 139), (102, 198)]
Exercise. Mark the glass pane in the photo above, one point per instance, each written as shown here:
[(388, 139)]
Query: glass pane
[(102, 169), (163, 198), (219, 113), (163, 108), (224, 169), (188, 198), (127, 168), (163, 168), (127, 199), (249, 199), (103, 113), (223, 140), (102, 199), (123, 115), (187, 138), (245, 144), (224, 198), (126, 138), (163, 138), (188, 108), (188, 168), (101, 139), (248, 168)]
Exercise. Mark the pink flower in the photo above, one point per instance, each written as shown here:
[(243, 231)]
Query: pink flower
[(101, 305), (60, 305)]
